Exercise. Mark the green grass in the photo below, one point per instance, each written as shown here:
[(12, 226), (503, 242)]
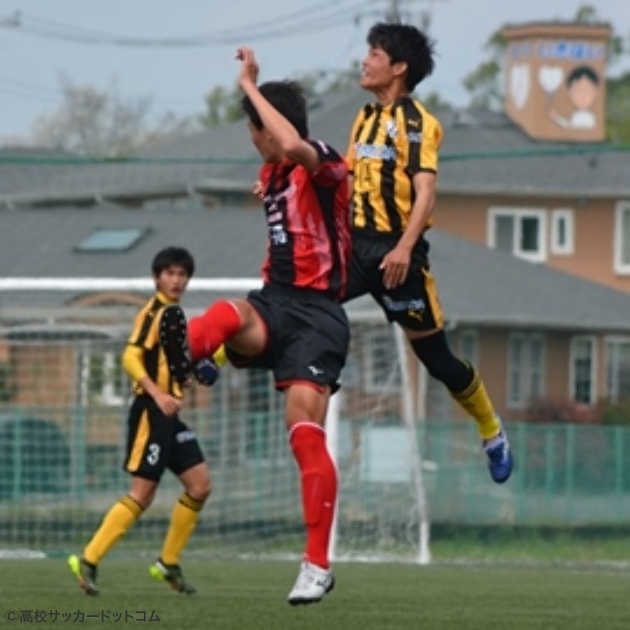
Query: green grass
[(559, 548), (251, 595)]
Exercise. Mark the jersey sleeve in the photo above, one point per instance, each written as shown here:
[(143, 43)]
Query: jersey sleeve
[(332, 167), (421, 140)]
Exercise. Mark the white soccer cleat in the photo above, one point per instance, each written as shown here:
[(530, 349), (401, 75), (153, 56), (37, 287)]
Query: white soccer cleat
[(311, 585)]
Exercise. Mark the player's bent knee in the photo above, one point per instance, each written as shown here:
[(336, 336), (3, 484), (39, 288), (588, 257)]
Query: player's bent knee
[(441, 363), (420, 334), (251, 340), (249, 315), (306, 402), (197, 483), (199, 492), (143, 491)]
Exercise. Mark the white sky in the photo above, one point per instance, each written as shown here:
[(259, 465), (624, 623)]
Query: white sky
[(178, 79)]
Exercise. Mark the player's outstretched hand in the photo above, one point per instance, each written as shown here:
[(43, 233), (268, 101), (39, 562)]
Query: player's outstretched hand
[(249, 66)]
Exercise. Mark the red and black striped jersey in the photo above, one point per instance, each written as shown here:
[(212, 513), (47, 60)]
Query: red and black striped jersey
[(308, 220)]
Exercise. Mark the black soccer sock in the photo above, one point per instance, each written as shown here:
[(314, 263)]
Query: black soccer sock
[(442, 364)]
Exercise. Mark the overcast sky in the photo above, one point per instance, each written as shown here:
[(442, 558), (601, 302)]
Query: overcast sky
[(177, 79)]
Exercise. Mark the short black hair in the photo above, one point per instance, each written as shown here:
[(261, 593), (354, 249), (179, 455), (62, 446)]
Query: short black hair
[(404, 42), (173, 257), (582, 72), (288, 98)]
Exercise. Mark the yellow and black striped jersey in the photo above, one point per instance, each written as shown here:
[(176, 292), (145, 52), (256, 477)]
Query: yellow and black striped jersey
[(145, 337), (388, 146)]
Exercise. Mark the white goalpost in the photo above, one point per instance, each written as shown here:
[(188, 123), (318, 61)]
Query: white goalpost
[(67, 390), (409, 418)]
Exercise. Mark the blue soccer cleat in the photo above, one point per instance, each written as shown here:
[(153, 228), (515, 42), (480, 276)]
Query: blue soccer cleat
[(206, 372), (500, 458)]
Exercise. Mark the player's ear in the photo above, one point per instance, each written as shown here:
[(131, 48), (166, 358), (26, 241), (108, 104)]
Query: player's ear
[(399, 68)]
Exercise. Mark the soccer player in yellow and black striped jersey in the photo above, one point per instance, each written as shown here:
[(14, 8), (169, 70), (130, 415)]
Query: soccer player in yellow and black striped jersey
[(393, 159), (156, 360)]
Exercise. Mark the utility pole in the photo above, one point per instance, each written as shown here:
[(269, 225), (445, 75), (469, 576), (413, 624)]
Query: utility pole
[(393, 12)]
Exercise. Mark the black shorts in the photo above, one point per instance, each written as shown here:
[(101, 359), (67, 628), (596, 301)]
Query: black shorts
[(415, 304), (307, 337), (156, 442)]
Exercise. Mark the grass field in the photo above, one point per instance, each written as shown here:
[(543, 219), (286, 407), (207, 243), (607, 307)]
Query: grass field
[(251, 595)]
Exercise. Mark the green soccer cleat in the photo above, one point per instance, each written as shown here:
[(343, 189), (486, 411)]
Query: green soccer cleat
[(85, 574), (171, 573)]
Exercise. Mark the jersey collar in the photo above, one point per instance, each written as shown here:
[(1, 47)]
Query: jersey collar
[(379, 107), (164, 299)]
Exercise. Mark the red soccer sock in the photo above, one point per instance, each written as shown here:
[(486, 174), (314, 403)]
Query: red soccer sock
[(207, 332), (319, 489)]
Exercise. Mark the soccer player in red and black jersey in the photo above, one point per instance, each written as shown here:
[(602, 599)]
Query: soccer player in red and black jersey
[(295, 326)]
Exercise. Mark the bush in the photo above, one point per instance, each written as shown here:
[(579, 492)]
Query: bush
[(7, 383), (34, 458), (562, 411), (615, 414)]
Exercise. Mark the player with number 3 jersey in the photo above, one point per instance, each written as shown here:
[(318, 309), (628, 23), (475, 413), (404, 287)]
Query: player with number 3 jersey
[(157, 360)]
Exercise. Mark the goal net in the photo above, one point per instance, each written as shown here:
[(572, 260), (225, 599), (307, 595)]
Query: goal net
[(63, 406)]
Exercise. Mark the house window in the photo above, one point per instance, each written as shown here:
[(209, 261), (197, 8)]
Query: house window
[(112, 240), (562, 232), (582, 375), (468, 346), (526, 362), (518, 231), (102, 379), (618, 368), (622, 238), (381, 363)]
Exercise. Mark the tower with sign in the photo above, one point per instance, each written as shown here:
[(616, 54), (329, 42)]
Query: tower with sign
[(556, 80)]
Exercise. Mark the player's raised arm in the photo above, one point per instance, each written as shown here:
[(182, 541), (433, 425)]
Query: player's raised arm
[(290, 136)]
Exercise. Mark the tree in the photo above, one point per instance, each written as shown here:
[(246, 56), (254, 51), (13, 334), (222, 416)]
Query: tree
[(484, 82), (102, 123), (223, 106), (434, 102), (618, 109)]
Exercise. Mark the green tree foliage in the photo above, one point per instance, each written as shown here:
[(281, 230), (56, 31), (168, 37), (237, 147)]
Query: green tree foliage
[(618, 109)]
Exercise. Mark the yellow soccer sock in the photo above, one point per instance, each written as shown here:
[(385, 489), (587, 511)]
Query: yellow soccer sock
[(220, 356), (183, 522), (476, 402), (117, 522)]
